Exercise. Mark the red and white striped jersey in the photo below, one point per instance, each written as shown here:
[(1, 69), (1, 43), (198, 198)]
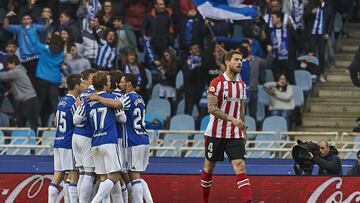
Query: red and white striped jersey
[(230, 94)]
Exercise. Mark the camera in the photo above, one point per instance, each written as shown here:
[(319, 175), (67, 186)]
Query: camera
[(303, 161)]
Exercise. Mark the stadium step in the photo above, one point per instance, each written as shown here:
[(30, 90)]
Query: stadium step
[(344, 56), (334, 107), (349, 48), (324, 122), (338, 77), (339, 92), (343, 63)]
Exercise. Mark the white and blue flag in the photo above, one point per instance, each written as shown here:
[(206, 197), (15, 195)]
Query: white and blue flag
[(225, 9)]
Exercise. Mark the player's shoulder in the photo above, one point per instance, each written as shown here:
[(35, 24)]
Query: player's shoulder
[(67, 100), (219, 78)]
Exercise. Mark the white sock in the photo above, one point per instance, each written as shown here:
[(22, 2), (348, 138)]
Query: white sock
[(129, 188), (137, 191), (86, 188), (107, 199), (81, 177), (124, 193), (95, 188), (116, 195), (66, 191), (104, 189), (52, 193), (146, 192), (73, 193)]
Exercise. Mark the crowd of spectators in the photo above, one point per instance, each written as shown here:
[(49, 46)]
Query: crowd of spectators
[(55, 38)]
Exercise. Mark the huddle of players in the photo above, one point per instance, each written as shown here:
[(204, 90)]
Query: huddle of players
[(101, 136)]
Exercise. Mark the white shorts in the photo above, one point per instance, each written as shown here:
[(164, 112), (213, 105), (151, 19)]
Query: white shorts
[(167, 91), (82, 151), (63, 159), (106, 158), (138, 157), (122, 154)]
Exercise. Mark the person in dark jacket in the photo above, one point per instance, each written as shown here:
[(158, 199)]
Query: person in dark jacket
[(354, 69), (319, 19), (158, 27), (67, 23), (328, 160), (355, 169)]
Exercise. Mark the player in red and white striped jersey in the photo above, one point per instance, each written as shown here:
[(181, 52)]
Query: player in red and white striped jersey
[(226, 129)]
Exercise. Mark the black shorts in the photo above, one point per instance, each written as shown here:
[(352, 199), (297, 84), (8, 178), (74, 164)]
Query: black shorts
[(215, 148)]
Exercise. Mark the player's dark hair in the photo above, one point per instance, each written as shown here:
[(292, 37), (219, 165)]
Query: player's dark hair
[(278, 15), (73, 80), (86, 73), (99, 81), (358, 153), (26, 14), (132, 78), (229, 55), (115, 77), (13, 59), (119, 18)]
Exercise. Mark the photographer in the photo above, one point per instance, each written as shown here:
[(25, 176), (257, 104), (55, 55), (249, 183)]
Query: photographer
[(328, 160)]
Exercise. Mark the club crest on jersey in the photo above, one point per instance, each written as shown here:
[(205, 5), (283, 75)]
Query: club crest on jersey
[(62, 103), (211, 89)]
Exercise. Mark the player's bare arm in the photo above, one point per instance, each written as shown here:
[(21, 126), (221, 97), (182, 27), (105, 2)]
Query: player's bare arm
[(214, 110), (111, 103)]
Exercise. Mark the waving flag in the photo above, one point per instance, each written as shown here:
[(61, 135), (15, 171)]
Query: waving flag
[(225, 9)]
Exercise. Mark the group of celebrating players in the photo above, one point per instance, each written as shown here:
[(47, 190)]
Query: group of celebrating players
[(100, 140)]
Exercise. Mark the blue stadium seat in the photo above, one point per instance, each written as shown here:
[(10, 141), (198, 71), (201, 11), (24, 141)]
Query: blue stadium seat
[(303, 79), (179, 80), (51, 122), (272, 123), (269, 77), (47, 139), (263, 96), (251, 126), (260, 112), (4, 120), (204, 122), (6, 106), (180, 109), (178, 122), (21, 137), (298, 96), (356, 146), (155, 92), (160, 107), (2, 140), (149, 77)]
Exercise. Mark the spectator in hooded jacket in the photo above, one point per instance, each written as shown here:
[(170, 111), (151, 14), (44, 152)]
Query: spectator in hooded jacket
[(75, 63), (48, 75), (66, 22), (126, 35)]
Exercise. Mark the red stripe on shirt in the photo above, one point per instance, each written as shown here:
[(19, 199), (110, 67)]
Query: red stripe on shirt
[(227, 110), (220, 100), (236, 109)]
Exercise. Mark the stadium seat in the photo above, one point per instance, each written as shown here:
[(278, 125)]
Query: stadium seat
[(179, 80), (263, 96), (178, 122), (47, 139), (272, 123), (251, 126), (298, 96), (204, 122), (4, 120), (21, 137), (260, 112), (155, 92), (356, 146), (303, 80), (180, 109), (149, 77), (51, 122), (269, 77), (6, 106), (2, 141), (160, 107)]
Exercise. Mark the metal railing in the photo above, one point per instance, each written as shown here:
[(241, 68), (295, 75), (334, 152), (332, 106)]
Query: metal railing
[(176, 143)]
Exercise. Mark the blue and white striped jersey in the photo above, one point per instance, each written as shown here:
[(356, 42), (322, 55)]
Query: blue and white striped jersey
[(102, 120), (106, 55), (135, 133), (84, 128), (64, 120)]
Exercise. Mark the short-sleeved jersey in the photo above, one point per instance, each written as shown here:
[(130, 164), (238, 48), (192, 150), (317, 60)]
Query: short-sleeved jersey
[(102, 120), (135, 133), (85, 128), (229, 94), (121, 126), (64, 119)]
